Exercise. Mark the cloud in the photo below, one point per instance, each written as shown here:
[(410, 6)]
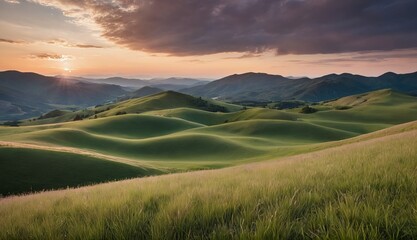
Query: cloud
[(65, 43), (361, 57), (187, 27), (51, 56), (246, 55), (4, 40), (12, 1), (87, 46), (57, 41)]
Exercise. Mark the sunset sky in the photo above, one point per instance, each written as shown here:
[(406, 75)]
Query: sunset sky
[(208, 38)]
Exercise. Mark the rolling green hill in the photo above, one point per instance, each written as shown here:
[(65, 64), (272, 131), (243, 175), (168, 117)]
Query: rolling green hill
[(166, 100), (26, 169), (172, 133), (160, 101), (360, 188)]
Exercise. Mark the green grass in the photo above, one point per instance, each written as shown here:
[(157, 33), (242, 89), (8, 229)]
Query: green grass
[(135, 126), (178, 137), (362, 190), (286, 132), (24, 170), (193, 115), (385, 97), (159, 101)]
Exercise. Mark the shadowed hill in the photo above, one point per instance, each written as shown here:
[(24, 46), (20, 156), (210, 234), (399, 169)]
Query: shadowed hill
[(54, 170)]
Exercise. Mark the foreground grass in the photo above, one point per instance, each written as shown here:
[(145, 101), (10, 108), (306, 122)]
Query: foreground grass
[(364, 190)]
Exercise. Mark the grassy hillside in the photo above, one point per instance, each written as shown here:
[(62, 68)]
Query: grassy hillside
[(384, 106), (181, 139), (25, 169), (160, 101), (362, 190)]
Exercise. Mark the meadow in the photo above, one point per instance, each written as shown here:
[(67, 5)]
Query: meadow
[(359, 188), (171, 132)]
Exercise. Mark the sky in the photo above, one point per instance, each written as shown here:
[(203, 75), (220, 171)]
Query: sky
[(208, 38)]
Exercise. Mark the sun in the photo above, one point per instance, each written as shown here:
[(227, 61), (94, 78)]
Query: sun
[(67, 70)]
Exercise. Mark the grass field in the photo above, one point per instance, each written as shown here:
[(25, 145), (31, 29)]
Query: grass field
[(171, 134), (359, 188), (58, 170)]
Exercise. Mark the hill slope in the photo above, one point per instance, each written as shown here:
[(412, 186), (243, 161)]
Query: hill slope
[(181, 137), (360, 190), (159, 101), (28, 169)]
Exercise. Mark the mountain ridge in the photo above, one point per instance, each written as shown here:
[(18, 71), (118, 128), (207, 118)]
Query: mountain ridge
[(268, 87), (26, 94)]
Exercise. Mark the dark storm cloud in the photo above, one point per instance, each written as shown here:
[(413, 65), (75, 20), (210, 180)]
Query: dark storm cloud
[(195, 27)]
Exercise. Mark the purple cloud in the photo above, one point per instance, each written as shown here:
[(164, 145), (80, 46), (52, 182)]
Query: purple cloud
[(192, 27)]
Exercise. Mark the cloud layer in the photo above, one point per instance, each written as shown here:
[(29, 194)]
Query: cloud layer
[(5, 40), (65, 43), (51, 56), (196, 27)]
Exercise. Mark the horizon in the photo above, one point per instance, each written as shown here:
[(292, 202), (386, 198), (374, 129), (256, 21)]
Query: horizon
[(211, 40), (95, 77)]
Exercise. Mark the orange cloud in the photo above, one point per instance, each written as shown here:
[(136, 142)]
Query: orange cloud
[(51, 56), (4, 40), (65, 43)]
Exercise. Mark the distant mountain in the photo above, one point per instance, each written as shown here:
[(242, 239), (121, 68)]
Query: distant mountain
[(25, 95), (178, 81), (142, 92), (266, 87), (126, 82), (176, 84), (163, 83), (171, 87)]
